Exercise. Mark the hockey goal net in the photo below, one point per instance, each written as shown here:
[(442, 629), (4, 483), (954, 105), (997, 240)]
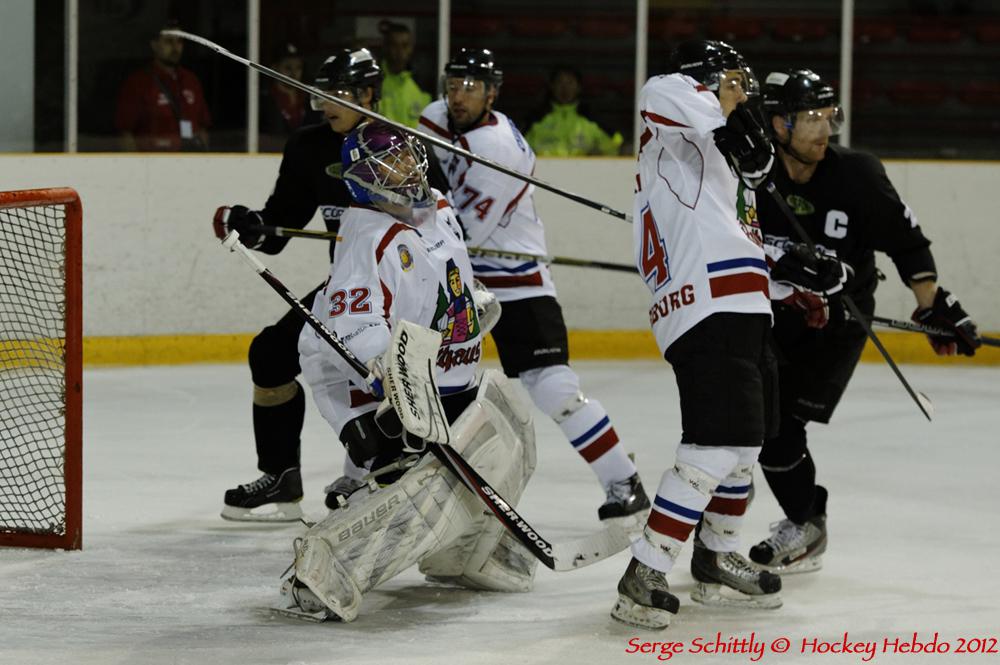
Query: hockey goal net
[(40, 368)]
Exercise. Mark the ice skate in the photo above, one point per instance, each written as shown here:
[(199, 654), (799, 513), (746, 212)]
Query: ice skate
[(299, 602), (338, 491), (644, 598), (627, 504), (270, 498), (792, 548), (727, 579)]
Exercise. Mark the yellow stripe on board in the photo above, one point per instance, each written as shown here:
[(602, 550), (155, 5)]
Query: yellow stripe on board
[(584, 345)]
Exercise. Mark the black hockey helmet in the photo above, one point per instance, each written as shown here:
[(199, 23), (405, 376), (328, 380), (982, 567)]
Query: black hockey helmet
[(476, 64), (347, 69), (793, 90), (705, 60)]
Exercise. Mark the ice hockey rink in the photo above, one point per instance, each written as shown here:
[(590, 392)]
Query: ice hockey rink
[(162, 579)]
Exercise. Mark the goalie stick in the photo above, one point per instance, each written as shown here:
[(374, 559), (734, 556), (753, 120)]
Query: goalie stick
[(556, 556), (295, 83), (923, 402), (285, 232)]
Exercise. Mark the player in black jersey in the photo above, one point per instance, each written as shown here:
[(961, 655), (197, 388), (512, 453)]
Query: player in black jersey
[(847, 205), (308, 180)]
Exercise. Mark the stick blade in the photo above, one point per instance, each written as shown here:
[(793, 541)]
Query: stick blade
[(574, 554)]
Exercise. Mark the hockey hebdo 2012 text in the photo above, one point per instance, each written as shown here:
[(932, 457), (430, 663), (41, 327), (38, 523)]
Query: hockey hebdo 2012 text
[(756, 647)]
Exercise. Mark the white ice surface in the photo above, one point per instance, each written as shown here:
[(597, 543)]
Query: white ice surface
[(913, 527)]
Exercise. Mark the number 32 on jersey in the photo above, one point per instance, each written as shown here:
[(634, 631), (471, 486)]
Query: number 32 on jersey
[(653, 261)]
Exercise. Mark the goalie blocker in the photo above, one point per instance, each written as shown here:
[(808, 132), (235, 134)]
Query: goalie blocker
[(425, 518)]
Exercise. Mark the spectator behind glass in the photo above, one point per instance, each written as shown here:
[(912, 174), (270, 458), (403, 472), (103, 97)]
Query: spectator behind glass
[(402, 99), (283, 109), (161, 106), (563, 129)]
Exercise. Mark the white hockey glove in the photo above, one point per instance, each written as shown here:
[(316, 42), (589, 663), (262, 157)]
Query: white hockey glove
[(488, 308)]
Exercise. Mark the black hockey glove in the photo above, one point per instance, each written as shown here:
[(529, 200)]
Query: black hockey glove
[(811, 270), (241, 219), (745, 145), (947, 313)]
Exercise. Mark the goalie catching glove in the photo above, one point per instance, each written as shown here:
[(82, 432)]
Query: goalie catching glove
[(745, 145), (947, 313), (241, 219)]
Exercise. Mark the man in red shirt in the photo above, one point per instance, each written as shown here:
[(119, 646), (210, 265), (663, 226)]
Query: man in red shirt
[(161, 107)]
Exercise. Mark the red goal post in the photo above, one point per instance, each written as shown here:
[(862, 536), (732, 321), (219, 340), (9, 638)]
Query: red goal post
[(41, 332)]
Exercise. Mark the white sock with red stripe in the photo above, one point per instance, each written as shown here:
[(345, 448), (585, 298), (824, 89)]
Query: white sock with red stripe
[(556, 391), (683, 494), (723, 518)]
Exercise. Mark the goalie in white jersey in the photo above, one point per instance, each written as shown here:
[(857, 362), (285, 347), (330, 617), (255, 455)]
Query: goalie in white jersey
[(497, 211), (400, 256), (699, 248)]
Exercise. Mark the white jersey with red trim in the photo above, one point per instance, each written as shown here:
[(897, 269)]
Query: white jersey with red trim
[(385, 272), (698, 243), (497, 210)]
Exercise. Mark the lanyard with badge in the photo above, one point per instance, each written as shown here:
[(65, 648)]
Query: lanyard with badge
[(188, 140)]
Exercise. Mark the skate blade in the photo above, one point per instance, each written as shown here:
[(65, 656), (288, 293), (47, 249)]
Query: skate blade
[(269, 512), (719, 595), (629, 612), (808, 565), (301, 615)]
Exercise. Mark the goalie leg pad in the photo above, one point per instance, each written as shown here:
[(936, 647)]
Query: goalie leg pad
[(381, 533), (485, 556)]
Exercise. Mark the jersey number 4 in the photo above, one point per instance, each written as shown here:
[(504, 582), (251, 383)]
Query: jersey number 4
[(356, 300), (654, 255)]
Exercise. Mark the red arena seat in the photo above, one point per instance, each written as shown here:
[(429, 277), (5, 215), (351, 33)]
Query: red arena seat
[(988, 33), (476, 26), (874, 31), (735, 28), (800, 29), (934, 33), (920, 93), (540, 26), (606, 27), (673, 28), (981, 93)]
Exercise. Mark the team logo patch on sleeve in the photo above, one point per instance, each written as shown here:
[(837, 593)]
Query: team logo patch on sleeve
[(405, 257)]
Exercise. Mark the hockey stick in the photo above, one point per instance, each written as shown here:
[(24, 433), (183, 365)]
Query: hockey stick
[(289, 81), (923, 402), (557, 556), (910, 326), (285, 232)]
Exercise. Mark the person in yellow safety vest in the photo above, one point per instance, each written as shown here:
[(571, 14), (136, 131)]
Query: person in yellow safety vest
[(402, 99), (564, 130)]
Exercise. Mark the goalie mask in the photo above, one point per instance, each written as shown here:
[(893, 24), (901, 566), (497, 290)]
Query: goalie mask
[(386, 168)]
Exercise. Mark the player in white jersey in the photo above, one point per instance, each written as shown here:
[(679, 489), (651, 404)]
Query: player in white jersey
[(497, 211), (699, 248), (400, 256)]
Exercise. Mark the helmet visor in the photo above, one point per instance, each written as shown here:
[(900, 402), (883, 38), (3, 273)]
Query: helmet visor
[(814, 122), (347, 94)]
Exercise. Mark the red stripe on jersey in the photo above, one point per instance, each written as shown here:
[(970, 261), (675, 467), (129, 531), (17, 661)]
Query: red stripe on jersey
[(606, 442), (442, 204), (741, 282), (360, 398), (437, 129), (393, 231), (724, 506), (513, 203), (386, 300), (509, 281), (668, 526), (659, 119), (644, 139), (701, 88)]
